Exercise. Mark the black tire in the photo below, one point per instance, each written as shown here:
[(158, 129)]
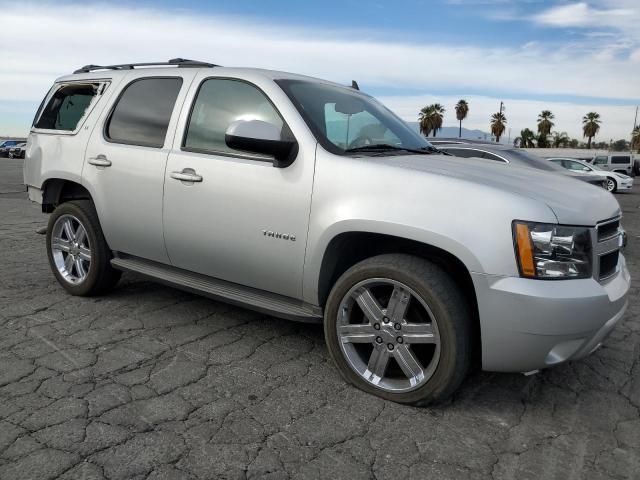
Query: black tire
[(101, 276), (448, 305), (615, 185)]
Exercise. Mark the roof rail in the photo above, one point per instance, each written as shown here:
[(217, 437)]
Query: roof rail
[(176, 62)]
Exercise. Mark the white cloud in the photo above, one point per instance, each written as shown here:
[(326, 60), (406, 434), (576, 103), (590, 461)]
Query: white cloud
[(617, 120), (41, 42), (620, 15)]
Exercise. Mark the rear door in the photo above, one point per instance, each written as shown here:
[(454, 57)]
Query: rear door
[(243, 220), (126, 159)]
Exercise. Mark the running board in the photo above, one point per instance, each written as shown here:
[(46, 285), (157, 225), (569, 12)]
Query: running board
[(252, 298)]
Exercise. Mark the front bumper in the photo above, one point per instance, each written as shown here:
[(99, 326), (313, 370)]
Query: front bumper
[(625, 184), (532, 324)]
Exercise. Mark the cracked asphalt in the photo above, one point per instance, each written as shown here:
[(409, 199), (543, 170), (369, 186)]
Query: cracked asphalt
[(149, 382)]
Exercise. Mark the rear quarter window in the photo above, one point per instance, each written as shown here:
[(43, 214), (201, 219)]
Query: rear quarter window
[(621, 159), (143, 111), (66, 107)]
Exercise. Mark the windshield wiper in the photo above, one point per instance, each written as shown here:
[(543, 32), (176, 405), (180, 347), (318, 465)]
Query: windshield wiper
[(385, 147)]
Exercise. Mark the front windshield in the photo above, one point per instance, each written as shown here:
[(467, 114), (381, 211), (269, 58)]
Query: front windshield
[(346, 121)]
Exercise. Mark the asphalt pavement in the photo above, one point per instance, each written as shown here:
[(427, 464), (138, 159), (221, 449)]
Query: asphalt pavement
[(150, 382)]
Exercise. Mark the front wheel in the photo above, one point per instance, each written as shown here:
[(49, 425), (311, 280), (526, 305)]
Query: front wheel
[(78, 253), (398, 326), (612, 186)]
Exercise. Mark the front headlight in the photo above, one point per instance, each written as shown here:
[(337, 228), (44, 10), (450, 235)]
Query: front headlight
[(546, 251)]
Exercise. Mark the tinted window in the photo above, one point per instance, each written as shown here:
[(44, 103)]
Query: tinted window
[(461, 152), (600, 161), (491, 156), (219, 103), (66, 107), (143, 111), (620, 159), (530, 160)]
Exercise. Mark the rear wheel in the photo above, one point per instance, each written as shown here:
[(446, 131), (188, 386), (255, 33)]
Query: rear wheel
[(612, 186), (78, 253), (397, 326)]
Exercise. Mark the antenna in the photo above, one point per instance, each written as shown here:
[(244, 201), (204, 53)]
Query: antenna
[(354, 85)]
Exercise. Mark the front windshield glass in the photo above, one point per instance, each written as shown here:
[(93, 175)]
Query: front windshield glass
[(346, 121)]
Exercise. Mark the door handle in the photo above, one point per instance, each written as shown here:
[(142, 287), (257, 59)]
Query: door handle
[(187, 175), (100, 161)]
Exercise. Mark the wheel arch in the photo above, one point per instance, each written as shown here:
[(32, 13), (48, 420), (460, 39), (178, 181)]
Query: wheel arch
[(348, 248), (59, 190)]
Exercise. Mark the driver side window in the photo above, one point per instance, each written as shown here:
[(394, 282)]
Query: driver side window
[(577, 166), (218, 104), (600, 161), (355, 130)]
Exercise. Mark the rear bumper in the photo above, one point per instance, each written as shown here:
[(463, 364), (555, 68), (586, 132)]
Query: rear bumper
[(532, 324), (35, 194)]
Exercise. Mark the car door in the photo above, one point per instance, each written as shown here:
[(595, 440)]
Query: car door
[(243, 220), (126, 158)]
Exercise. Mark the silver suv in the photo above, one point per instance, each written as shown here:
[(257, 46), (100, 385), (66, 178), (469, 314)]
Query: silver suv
[(311, 201)]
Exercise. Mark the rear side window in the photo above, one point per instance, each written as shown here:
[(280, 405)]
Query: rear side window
[(491, 156), (66, 107), (219, 103), (464, 153), (142, 113), (620, 159)]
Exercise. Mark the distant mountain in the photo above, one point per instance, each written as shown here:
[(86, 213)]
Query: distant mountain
[(451, 132)]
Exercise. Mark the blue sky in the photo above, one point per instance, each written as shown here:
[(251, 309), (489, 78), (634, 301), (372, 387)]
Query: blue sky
[(570, 57)]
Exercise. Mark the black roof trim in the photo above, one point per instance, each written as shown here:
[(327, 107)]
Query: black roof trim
[(175, 62)]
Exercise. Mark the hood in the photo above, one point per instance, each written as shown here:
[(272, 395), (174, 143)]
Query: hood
[(573, 202)]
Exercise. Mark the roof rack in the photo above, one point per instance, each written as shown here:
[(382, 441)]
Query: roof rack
[(175, 62)]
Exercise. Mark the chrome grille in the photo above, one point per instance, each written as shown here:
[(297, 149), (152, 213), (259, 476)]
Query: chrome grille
[(607, 248)]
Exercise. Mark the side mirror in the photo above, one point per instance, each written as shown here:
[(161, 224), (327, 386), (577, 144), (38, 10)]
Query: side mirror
[(257, 136), (586, 169)]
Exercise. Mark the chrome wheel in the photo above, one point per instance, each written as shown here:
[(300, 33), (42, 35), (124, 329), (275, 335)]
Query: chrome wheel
[(71, 249), (388, 335), (611, 184)]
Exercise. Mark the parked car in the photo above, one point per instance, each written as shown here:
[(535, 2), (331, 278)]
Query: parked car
[(519, 157), (615, 162), (454, 140), (18, 150), (615, 181), (311, 201), (7, 145)]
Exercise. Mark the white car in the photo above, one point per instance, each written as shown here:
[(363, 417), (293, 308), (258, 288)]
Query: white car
[(615, 181)]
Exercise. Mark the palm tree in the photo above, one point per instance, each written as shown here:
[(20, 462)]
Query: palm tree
[(560, 140), (590, 126), (424, 120), (436, 117), (462, 109), (635, 138), (544, 122), (525, 140), (498, 125)]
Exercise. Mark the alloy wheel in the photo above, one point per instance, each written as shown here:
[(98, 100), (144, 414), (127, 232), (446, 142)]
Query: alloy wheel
[(611, 185), (71, 249), (388, 335)]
